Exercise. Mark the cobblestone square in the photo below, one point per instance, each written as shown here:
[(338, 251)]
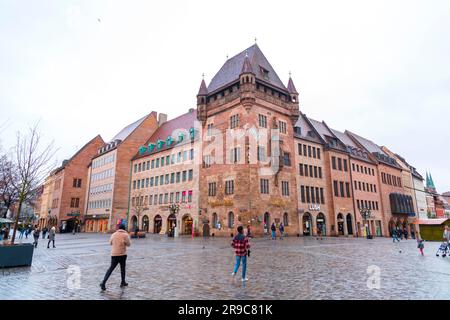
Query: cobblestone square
[(159, 267)]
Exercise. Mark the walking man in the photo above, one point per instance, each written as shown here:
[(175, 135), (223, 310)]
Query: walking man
[(119, 241), (273, 228), (395, 236), (281, 228), (241, 249), (36, 233), (51, 237)]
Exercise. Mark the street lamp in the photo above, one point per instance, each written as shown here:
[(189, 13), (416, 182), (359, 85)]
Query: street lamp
[(365, 214)]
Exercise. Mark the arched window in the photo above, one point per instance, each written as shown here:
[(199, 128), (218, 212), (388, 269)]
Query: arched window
[(286, 219), (230, 219), (214, 220)]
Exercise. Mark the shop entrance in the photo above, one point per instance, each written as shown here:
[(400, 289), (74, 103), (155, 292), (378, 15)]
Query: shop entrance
[(187, 224), (321, 223), (307, 224), (171, 225)]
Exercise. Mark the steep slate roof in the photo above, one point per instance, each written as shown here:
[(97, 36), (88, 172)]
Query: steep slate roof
[(369, 145), (344, 138), (203, 91), (321, 128), (446, 194), (183, 122), (291, 86), (232, 68), (125, 132)]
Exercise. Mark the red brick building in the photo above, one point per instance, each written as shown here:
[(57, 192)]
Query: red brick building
[(110, 173), (65, 197)]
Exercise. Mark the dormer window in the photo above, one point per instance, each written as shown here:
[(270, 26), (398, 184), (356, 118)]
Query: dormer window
[(264, 73)]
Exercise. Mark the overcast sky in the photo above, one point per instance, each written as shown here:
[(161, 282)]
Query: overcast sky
[(378, 68)]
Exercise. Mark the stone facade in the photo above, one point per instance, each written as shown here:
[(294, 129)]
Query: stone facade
[(252, 168), (166, 174)]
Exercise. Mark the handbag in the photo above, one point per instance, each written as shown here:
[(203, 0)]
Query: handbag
[(248, 253)]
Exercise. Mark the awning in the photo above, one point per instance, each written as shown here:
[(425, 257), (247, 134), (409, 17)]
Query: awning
[(431, 221)]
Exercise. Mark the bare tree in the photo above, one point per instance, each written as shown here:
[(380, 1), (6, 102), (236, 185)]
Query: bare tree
[(138, 206), (33, 164), (8, 181)]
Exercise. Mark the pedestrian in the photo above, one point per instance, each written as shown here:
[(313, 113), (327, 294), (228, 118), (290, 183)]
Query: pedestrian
[(6, 233), (119, 241), (249, 232), (273, 228), (51, 237), (281, 228), (36, 234), (413, 233), (319, 232), (446, 234), (395, 236), (241, 249), (44, 232), (420, 244), (405, 233)]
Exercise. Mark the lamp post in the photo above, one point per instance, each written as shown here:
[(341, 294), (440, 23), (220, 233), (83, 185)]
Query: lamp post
[(365, 214)]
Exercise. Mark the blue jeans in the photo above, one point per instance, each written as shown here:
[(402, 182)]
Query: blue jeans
[(274, 236), (244, 265)]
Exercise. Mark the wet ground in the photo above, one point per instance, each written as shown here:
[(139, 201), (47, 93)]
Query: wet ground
[(183, 268)]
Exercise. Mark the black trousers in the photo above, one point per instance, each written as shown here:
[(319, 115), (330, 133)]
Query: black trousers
[(48, 244), (114, 262)]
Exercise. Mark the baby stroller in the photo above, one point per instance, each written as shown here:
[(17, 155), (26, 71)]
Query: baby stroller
[(443, 250)]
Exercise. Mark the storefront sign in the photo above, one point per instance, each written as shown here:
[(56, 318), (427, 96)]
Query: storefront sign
[(314, 207)]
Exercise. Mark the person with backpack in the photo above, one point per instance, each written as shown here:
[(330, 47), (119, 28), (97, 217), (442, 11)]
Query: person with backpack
[(281, 228), (273, 228), (241, 249)]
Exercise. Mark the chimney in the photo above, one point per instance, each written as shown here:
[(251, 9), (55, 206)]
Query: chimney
[(162, 117)]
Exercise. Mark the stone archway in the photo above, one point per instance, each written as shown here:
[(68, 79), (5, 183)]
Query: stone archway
[(349, 224), (266, 222), (157, 224), (340, 224), (145, 223), (134, 223)]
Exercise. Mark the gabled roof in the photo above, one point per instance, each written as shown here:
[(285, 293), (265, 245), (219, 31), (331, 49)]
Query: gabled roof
[(307, 131), (366, 143), (183, 122), (125, 132), (232, 68), (344, 138), (321, 128), (67, 161)]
